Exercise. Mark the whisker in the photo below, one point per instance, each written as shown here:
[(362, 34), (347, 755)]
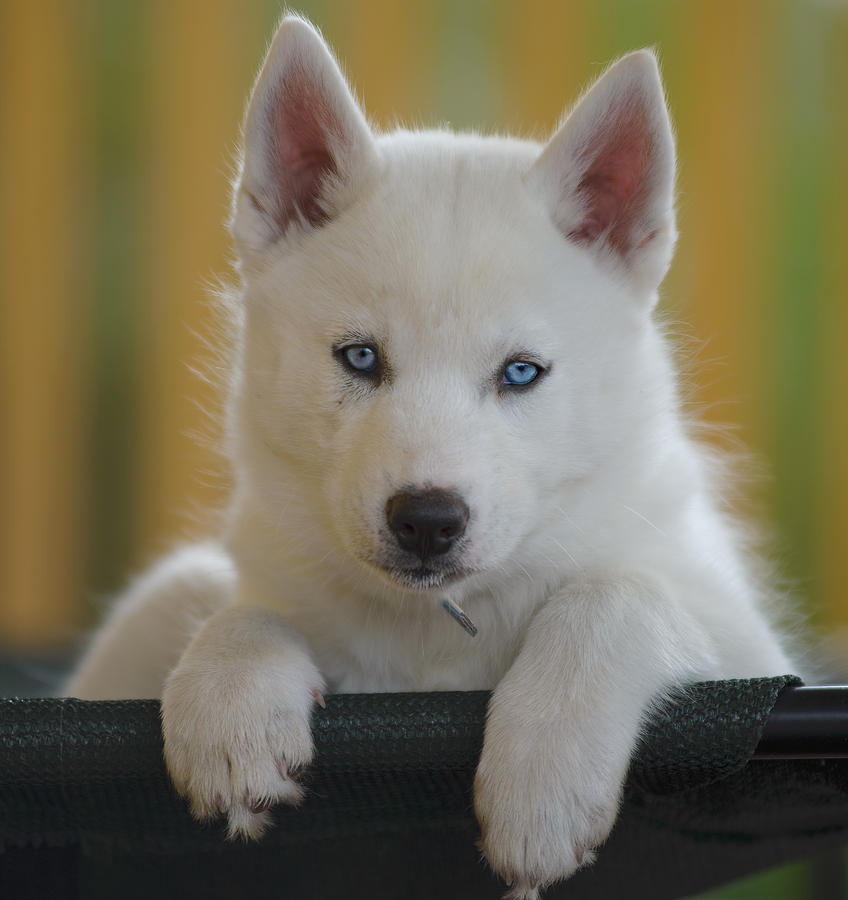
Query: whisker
[(568, 519), (520, 566), (565, 551), (644, 519)]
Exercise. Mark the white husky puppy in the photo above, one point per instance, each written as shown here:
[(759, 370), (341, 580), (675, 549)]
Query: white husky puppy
[(448, 385)]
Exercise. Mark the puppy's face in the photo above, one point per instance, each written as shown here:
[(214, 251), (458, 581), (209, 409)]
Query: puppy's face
[(426, 354), (433, 362)]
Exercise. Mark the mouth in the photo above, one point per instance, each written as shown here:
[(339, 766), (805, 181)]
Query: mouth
[(421, 577)]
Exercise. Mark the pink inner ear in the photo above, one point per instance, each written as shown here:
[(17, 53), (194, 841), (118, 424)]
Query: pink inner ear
[(301, 125), (614, 188)]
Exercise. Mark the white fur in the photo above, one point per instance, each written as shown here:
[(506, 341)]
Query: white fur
[(599, 566)]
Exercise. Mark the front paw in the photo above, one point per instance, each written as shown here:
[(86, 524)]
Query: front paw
[(542, 809), (236, 736)]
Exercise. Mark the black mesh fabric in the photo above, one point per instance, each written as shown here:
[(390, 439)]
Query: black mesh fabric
[(86, 809)]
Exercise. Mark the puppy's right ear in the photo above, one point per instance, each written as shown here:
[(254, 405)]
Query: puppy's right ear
[(307, 146)]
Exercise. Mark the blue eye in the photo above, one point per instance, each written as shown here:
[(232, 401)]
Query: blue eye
[(360, 357), (520, 373)]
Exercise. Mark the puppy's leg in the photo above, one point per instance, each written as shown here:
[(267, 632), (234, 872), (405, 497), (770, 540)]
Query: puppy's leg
[(235, 717), (563, 722), (152, 624)]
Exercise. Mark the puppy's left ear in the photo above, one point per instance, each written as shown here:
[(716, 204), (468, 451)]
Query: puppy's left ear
[(308, 150), (608, 172)]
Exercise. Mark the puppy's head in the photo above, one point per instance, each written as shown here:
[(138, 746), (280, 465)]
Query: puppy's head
[(444, 335)]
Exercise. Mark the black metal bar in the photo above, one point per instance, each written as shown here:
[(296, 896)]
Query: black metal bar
[(807, 723)]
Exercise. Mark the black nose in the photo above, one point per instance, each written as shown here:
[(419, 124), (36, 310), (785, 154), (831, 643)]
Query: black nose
[(427, 522)]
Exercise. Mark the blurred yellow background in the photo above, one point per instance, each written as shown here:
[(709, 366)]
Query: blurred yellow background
[(117, 125)]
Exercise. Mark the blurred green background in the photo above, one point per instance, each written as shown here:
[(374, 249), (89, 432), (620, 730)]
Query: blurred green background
[(117, 125)]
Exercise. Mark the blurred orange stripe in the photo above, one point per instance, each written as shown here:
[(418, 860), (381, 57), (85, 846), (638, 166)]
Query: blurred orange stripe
[(385, 48), (723, 132), (43, 183), (199, 80), (545, 50)]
